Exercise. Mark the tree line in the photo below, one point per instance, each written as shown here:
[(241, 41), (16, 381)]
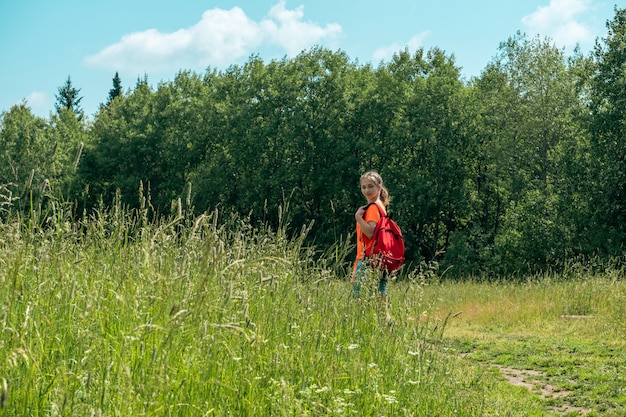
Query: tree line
[(516, 171)]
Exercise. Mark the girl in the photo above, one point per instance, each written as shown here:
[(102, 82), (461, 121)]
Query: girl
[(366, 217)]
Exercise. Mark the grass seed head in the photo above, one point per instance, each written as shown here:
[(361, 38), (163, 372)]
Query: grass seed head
[(4, 395)]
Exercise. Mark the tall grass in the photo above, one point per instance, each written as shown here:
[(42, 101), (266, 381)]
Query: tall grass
[(116, 316)]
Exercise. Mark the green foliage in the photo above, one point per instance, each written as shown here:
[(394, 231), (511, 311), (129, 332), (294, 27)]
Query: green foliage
[(424, 150), (116, 90), (608, 107), (527, 162), (67, 140), (519, 169), (530, 236), (68, 99), (27, 160), (22, 153)]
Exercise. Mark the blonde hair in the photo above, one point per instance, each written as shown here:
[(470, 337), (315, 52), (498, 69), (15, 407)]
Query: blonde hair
[(378, 180)]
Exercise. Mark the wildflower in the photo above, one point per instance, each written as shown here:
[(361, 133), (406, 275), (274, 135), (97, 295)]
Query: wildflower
[(390, 399), (353, 346)]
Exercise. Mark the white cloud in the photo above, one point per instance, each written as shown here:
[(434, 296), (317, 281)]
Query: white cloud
[(221, 37), (38, 100), (559, 21), (386, 52), (291, 33)]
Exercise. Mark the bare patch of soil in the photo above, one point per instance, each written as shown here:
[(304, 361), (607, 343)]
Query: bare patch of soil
[(535, 381)]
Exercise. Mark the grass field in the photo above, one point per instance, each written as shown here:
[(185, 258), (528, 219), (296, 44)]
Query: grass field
[(211, 317), (560, 341)]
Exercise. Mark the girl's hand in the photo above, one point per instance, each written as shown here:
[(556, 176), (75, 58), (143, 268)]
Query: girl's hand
[(360, 213), (366, 227)]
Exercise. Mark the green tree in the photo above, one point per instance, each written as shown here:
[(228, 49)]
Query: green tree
[(116, 90), (422, 148), (65, 141), (182, 125), (23, 163), (486, 118), (277, 136), (526, 101), (120, 155), (151, 139), (320, 157), (608, 130), (68, 98), (215, 177)]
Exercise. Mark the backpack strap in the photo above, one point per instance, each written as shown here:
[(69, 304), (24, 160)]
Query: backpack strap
[(381, 212)]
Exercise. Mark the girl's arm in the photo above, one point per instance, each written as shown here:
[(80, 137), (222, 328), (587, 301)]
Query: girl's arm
[(366, 227)]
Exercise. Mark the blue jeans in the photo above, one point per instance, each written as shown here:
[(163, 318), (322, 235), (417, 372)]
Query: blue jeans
[(359, 273)]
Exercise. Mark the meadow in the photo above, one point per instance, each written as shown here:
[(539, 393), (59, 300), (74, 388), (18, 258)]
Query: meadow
[(211, 316)]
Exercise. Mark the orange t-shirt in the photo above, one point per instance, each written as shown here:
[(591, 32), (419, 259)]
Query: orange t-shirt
[(372, 214)]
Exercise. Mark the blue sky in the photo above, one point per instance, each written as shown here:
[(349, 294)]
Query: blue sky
[(42, 42)]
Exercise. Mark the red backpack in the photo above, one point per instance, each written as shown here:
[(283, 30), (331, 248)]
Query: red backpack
[(387, 250)]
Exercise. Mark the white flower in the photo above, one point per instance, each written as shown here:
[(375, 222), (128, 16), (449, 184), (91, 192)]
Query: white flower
[(390, 399)]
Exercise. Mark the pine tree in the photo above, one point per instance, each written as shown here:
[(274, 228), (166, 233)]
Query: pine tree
[(117, 88), (69, 99)]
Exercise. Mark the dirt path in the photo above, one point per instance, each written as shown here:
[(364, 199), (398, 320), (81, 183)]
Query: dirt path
[(535, 381)]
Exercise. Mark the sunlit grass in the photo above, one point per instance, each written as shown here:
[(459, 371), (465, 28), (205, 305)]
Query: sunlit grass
[(210, 316), (596, 299), (569, 332), (115, 316)]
